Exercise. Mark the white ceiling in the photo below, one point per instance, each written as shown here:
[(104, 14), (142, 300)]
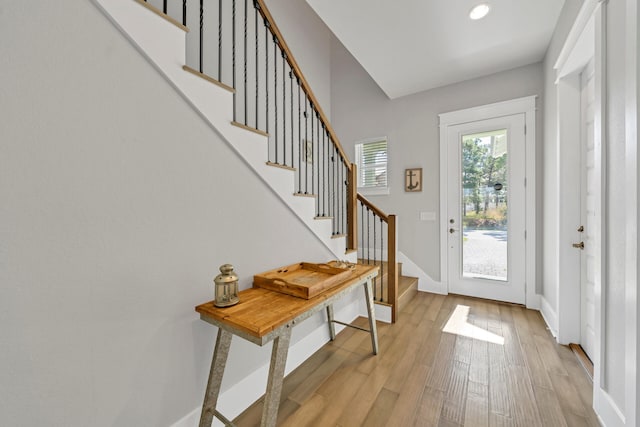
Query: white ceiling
[(408, 46)]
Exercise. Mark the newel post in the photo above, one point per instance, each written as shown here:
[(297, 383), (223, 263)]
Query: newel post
[(352, 212)]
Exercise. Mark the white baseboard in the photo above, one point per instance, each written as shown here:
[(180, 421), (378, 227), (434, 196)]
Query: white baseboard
[(190, 420), (383, 312), (549, 315), (425, 282), (609, 414)]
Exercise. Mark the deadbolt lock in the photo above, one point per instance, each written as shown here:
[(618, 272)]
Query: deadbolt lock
[(578, 245), (581, 228)]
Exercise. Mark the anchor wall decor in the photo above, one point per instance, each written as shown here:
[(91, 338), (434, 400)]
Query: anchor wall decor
[(413, 179)]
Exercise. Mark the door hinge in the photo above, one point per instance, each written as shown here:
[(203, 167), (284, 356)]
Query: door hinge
[(525, 234), (525, 182)]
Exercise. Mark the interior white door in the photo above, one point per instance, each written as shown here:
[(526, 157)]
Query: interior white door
[(588, 214), (486, 208)]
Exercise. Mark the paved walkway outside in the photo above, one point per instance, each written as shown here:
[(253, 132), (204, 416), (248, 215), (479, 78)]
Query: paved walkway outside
[(485, 252)]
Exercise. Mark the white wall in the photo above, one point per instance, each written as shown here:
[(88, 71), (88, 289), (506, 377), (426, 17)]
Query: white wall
[(614, 292), (550, 216), (632, 124), (361, 110), (310, 42), (118, 206)]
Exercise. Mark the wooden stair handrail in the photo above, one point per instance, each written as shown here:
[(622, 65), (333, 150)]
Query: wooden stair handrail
[(298, 73), (376, 210), (352, 195)]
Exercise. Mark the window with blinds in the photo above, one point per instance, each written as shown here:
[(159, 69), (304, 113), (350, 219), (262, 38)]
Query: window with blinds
[(371, 159)]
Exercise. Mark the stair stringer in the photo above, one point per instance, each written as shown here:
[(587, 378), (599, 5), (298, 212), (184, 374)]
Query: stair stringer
[(164, 45)]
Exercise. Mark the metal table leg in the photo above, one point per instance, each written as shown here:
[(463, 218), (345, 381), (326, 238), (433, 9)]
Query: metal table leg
[(223, 342), (368, 292), (332, 328), (276, 376)]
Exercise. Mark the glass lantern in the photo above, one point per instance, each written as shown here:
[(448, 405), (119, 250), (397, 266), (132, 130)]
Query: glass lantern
[(226, 287)]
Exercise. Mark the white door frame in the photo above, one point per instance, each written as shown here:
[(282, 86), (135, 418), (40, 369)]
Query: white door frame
[(632, 124), (586, 41), (526, 106)]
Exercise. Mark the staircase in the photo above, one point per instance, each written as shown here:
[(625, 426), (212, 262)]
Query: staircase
[(242, 78)]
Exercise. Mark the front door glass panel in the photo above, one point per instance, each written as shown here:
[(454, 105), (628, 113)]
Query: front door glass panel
[(484, 205)]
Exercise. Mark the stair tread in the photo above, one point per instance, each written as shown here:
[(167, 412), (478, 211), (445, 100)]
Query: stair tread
[(163, 15), (281, 166), (405, 283), (407, 279), (209, 79)]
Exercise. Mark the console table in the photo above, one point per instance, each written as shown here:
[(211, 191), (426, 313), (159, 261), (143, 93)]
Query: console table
[(262, 316)]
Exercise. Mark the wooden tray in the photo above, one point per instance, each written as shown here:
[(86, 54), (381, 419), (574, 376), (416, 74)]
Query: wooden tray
[(304, 280)]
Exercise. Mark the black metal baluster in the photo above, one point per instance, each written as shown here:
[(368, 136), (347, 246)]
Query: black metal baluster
[(275, 94), (318, 159), (233, 54), (201, 33), (332, 182), (338, 200), (334, 165), (321, 177), (362, 227), (292, 125), (255, 22), (306, 145), (313, 157), (266, 74), (326, 178), (184, 12), (375, 248), (381, 257), (245, 61), (164, 6), (345, 221), (341, 200), (299, 139), (373, 218), (339, 188), (284, 112), (368, 237), (220, 41)]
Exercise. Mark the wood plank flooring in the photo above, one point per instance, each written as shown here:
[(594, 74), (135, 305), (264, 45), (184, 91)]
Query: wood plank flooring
[(426, 377)]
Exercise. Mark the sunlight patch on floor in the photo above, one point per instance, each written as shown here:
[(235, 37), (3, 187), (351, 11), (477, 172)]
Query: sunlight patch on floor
[(458, 324)]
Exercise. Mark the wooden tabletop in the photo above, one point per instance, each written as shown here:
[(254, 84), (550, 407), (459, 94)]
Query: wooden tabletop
[(260, 311)]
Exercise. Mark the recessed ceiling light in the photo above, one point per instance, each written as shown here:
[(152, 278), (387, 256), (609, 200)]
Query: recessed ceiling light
[(479, 11)]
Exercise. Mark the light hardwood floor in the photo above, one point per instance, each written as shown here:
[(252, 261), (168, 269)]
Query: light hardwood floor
[(426, 377)]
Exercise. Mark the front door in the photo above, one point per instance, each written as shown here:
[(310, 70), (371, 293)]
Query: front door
[(486, 208)]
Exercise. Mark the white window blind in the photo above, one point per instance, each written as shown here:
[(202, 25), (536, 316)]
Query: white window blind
[(371, 158)]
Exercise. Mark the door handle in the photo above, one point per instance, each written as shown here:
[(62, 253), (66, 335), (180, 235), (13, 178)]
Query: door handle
[(578, 245), (452, 230)]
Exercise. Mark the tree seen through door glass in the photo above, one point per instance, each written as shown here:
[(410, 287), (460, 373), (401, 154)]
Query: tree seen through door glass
[(484, 205)]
